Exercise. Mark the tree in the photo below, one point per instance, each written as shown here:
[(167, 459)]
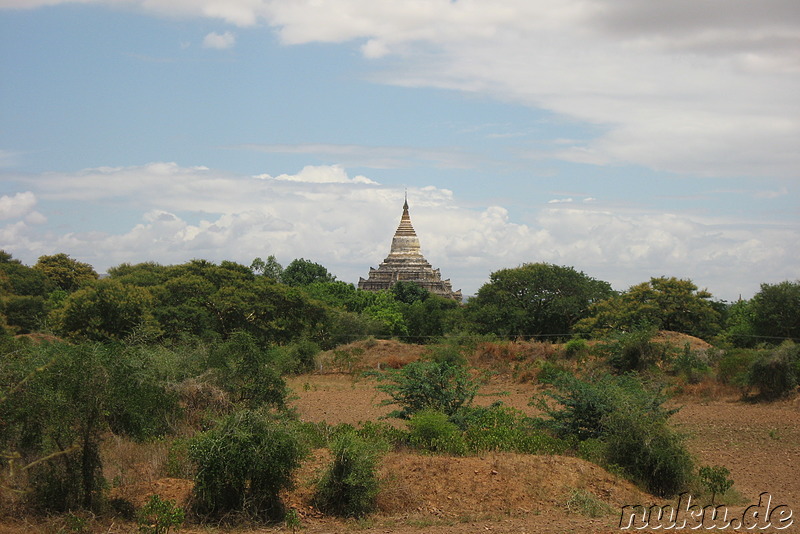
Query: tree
[(662, 303), (269, 268), (106, 310), (775, 311), (66, 273), (302, 272), (409, 292), (535, 300)]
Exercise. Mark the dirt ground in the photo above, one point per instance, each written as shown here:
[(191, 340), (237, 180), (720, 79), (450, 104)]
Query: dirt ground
[(511, 493)]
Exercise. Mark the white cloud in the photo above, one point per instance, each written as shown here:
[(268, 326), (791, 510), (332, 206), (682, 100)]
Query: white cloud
[(347, 224), (219, 41), (320, 174), (19, 205)]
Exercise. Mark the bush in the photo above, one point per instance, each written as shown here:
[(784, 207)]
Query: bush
[(431, 430), (242, 465), (501, 428), (350, 485), (634, 351), (715, 479), (422, 385), (576, 348), (734, 367), (158, 516), (775, 373), (298, 357), (631, 424), (650, 452)]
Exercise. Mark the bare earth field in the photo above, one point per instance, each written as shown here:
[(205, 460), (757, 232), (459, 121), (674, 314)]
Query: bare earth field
[(511, 493)]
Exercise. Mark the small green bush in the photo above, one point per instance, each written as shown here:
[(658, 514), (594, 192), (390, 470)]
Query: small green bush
[(350, 485), (715, 479), (431, 430), (576, 348), (421, 385), (501, 428), (158, 516), (242, 465), (690, 365), (634, 351)]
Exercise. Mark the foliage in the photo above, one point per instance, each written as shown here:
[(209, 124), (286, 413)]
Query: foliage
[(158, 516), (431, 430), (740, 330), (733, 367), (630, 421), (690, 365), (420, 385), (106, 310), (350, 485), (775, 311), (243, 463), (429, 319), (501, 428), (297, 357), (576, 348), (409, 292), (388, 312), (662, 303), (269, 268), (58, 400), (248, 372), (301, 272), (649, 451), (775, 372), (633, 351), (535, 300), (66, 273), (715, 479)]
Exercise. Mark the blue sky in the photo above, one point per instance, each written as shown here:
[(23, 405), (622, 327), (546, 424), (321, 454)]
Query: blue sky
[(625, 139)]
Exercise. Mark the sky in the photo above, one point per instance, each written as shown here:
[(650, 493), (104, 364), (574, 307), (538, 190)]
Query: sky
[(626, 139)]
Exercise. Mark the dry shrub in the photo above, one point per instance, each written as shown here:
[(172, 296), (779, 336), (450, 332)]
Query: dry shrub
[(198, 398), (396, 362), (127, 462), (706, 390), (396, 495)]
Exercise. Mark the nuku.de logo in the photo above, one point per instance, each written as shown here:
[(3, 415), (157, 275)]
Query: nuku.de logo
[(690, 516)]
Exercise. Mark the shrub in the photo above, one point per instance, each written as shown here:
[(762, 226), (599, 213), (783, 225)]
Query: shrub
[(247, 371), (576, 348), (501, 428), (350, 485), (158, 516), (431, 430), (734, 367), (630, 422), (775, 373), (689, 365), (634, 351), (242, 465), (298, 357), (715, 479), (420, 385), (650, 452)]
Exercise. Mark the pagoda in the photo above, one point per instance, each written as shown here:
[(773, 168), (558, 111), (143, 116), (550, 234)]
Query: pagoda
[(407, 264)]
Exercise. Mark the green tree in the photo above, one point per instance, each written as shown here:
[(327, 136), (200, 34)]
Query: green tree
[(776, 311), (409, 292), (662, 303), (106, 310), (535, 300), (269, 268), (66, 273), (302, 272)]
